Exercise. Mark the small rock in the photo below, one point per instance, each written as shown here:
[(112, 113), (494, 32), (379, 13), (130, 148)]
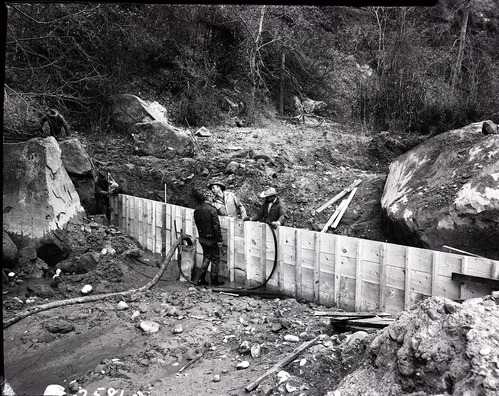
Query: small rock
[(216, 378), (485, 350), (256, 351), (59, 326), (135, 315), (122, 306), (73, 386), (87, 289), (283, 376), (244, 347), (54, 390), (178, 329), (291, 338), (303, 362), (149, 326), (243, 365), (290, 388)]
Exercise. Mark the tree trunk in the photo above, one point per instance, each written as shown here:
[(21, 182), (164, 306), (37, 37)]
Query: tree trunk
[(462, 41), (281, 94), (254, 73)]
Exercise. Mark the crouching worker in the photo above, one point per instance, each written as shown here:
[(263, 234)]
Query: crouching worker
[(210, 238), (105, 186)]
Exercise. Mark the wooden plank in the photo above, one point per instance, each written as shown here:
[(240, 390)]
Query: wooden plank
[(434, 273), (460, 251), (408, 278), (263, 253), (282, 363), (280, 261), (337, 264), (341, 314), (464, 287), (463, 278), (298, 267), (345, 191), (317, 267), (247, 238), (334, 216), (344, 209), (231, 261), (382, 278), (358, 276)]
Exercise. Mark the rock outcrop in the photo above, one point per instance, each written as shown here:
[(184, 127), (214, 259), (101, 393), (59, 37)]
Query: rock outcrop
[(439, 347), (446, 192), (39, 198)]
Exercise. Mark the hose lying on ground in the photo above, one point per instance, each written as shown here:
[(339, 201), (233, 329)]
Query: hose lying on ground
[(97, 297)]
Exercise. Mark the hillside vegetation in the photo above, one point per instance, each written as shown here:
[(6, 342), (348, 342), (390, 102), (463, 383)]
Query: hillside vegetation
[(415, 69)]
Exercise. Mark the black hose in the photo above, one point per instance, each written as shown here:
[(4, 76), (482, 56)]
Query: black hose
[(189, 243)]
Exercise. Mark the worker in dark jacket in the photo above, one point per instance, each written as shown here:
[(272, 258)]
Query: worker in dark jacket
[(210, 238), (273, 211), (57, 123), (105, 186)]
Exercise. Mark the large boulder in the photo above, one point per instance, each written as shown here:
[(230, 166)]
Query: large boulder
[(79, 166), (446, 192), (161, 140), (9, 250), (130, 109), (39, 198), (75, 158)]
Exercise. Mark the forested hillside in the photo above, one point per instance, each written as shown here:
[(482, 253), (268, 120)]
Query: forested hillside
[(414, 69)]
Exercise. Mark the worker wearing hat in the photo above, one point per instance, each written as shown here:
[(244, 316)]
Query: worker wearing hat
[(273, 211), (56, 122), (226, 202)]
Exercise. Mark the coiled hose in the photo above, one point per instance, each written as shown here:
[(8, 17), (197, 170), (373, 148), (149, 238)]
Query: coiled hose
[(189, 243)]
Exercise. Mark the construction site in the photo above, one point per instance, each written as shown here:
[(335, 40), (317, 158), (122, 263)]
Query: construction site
[(380, 276)]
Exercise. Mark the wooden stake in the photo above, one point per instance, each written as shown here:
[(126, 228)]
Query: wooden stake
[(281, 363), (333, 217), (344, 209), (345, 191)]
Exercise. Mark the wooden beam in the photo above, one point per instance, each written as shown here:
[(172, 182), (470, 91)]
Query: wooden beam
[(494, 283), (408, 278), (337, 264), (382, 277), (358, 276), (334, 216), (298, 269), (317, 267), (460, 251), (288, 359), (344, 192), (263, 253), (351, 314), (463, 292), (344, 209)]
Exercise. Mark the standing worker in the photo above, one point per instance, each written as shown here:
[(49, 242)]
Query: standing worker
[(226, 202), (56, 122), (104, 187), (273, 211), (210, 238)]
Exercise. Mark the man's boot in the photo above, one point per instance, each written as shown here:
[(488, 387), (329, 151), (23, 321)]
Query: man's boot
[(216, 282), (202, 279), (202, 273)]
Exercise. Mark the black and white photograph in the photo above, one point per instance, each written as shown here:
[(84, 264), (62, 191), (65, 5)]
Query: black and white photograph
[(250, 199)]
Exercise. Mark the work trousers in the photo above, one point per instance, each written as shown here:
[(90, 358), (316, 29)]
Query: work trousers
[(211, 253)]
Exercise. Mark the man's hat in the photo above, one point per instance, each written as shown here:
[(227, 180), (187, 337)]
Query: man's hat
[(218, 183), (268, 192)]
